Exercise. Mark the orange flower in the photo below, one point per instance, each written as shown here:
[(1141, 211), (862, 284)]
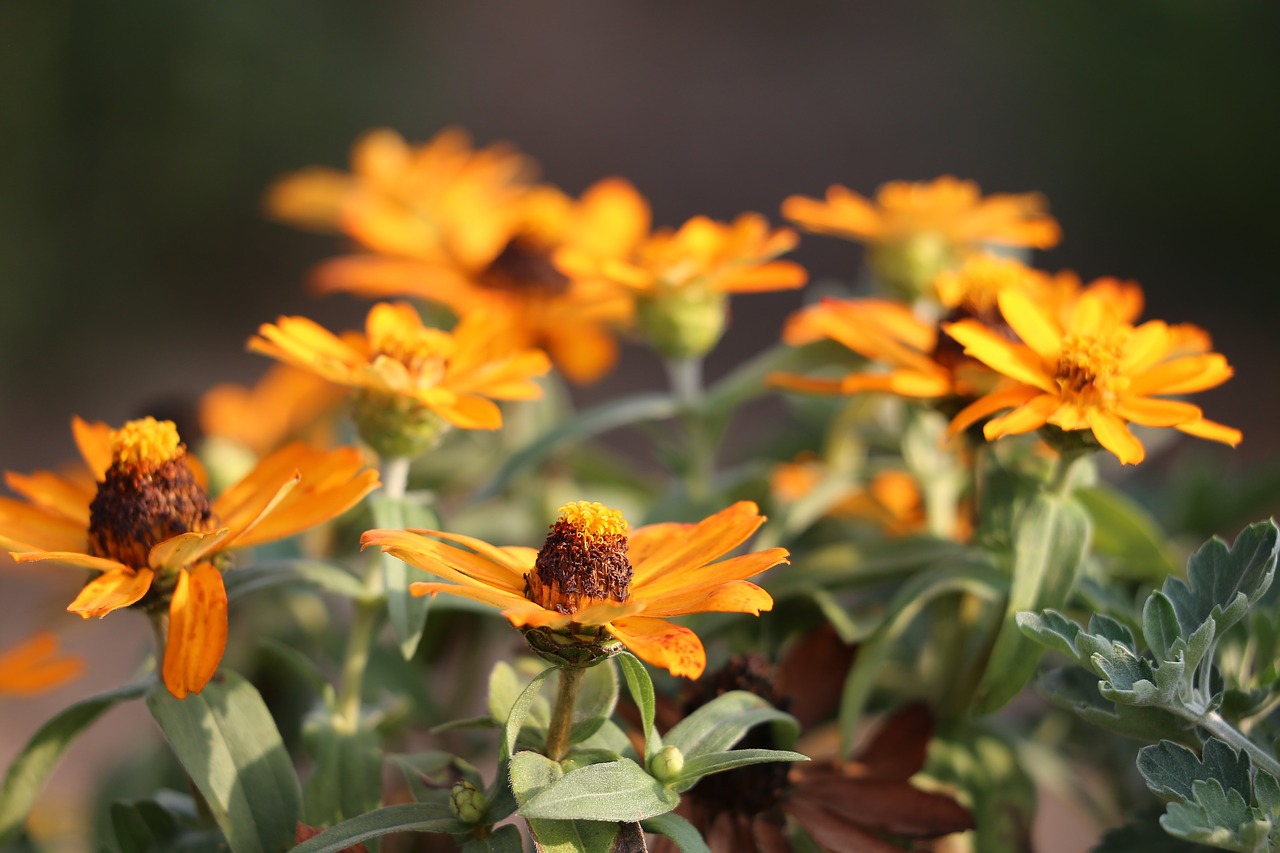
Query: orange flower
[(144, 522), (946, 207), (285, 403), (414, 375), (35, 666), (878, 329), (467, 230), (1088, 369), (593, 575)]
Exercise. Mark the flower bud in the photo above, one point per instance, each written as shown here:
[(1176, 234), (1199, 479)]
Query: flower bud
[(908, 267), (467, 802), (666, 763), (396, 426), (684, 323)]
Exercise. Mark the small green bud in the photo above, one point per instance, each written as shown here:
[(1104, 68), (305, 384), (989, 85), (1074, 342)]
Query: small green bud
[(908, 267), (467, 802), (396, 426), (666, 763), (684, 323)]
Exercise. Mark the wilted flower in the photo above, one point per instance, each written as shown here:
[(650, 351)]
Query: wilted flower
[(595, 578), (144, 522)]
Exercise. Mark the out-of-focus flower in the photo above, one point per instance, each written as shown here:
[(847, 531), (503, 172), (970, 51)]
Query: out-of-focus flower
[(412, 381), (593, 578), (1087, 369), (867, 804), (682, 277), (146, 525), (905, 348), (916, 230), (35, 666), (469, 231), (970, 290), (286, 403)]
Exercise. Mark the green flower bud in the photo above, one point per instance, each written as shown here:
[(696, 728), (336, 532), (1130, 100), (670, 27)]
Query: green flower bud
[(684, 323), (396, 426), (467, 802), (909, 266), (571, 650), (666, 763)]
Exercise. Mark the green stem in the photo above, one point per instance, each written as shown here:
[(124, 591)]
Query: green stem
[(1212, 722), (1063, 483), (562, 713), (368, 613), (684, 375)]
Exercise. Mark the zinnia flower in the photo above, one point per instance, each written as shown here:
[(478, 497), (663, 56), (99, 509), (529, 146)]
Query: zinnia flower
[(917, 230), (681, 277), (411, 380), (469, 231), (593, 576), (1088, 369), (286, 403), (34, 666), (144, 522)]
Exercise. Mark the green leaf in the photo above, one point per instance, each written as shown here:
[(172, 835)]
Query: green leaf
[(346, 779), (641, 688), (520, 710), (506, 839), (1143, 834), (1076, 690), (1160, 626), (679, 830), (717, 762), (723, 721), (1222, 582), (32, 766), (225, 739), (1050, 542), (618, 791), (321, 575), (1171, 770), (531, 774), (406, 817), (1124, 530), (597, 696), (408, 613), (585, 425), (1001, 796), (1051, 629)]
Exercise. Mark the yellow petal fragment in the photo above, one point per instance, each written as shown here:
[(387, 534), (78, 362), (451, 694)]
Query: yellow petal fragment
[(197, 630), (111, 591)]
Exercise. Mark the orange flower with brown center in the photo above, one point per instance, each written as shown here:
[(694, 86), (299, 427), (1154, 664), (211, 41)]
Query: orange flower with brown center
[(595, 576), (144, 522)]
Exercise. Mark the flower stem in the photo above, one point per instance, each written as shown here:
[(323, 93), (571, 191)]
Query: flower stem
[(368, 612), (685, 378), (684, 375), (1214, 724), (562, 713)]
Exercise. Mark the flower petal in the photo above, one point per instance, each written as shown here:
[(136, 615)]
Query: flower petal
[(1113, 434), (733, 597), (1033, 326), (94, 442), (35, 666), (111, 591), (1031, 415), (446, 561), (197, 630), (72, 558), (1213, 431), (703, 542), (980, 408), (1014, 360), (185, 548), (707, 577), (662, 643)]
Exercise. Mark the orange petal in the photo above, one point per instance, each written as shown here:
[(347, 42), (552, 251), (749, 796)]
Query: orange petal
[(583, 353), (446, 561), (53, 492), (1213, 431), (662, 643), (705, 541), (994, 402), (38, 529), (1183, 375), (733, 597), (704, 578), (1031, 323), (35, 666), (1113, 434), (94, 442), (1157, 413), (777, 275), (470, 412), (72, 558), (1031, 415), (1013, 360), (111, 591), (185, 548), (197, 630)]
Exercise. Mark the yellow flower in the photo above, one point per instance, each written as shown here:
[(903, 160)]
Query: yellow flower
[(681, 277), (1086, 368), (881, 330), (916, 230), (469, 231), (593, 574), (286, 403), (406, 374), (144, 522), (34, 666)]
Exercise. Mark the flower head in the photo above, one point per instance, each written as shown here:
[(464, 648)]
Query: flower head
[(34, 666), (411, 380), (286, 403), (916, 230), (1086, 368), (681, 277), (141, 518), (595, 576)]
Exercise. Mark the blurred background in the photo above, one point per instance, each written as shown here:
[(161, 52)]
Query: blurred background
[(138, 138)]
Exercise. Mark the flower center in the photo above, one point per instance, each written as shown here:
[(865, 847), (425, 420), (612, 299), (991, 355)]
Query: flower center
[(523, 266), (583, 561), (149, 494), (1088, 366), (424, 351)]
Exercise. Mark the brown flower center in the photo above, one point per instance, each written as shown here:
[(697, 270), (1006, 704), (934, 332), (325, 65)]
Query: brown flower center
[(149, 494), (524, 266), (583, 561), (1087, 367)]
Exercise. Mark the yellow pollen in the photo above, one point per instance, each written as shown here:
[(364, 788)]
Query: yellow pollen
[(145, 443), (416, 349), (1089, 364), (593, 520)]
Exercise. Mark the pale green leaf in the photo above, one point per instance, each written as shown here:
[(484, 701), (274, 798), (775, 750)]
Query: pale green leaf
[(406, 817), (617, 791)]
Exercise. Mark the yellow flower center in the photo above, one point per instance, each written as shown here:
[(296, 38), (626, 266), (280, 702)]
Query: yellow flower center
[(149, 494), (1088, 368), (583, 561), (424, 351)]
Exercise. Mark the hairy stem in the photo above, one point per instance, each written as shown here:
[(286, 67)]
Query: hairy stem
[(1214, 724), (562, 713)]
